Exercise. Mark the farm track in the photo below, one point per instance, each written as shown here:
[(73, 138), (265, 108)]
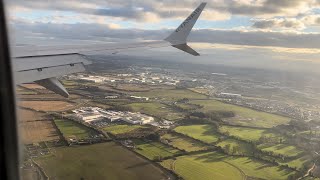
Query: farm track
[(244, 176)]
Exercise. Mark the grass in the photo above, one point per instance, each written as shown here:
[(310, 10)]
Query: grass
[(205, 133), (189, 168), (244, 116), (70, 83), (283, 149), (98, 161), (184, 143), (122, 129), (153, 150), (214, 165), (156, 109), (201, 90), (172, 94), (244, 148), (132, 87), (187, 107), (69, 128), (248, 134), (298, 162)]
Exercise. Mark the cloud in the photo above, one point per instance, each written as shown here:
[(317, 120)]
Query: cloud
[(105, 32), (299, 23), (114, 26), (139, 10), (279, 23), (265, 8)]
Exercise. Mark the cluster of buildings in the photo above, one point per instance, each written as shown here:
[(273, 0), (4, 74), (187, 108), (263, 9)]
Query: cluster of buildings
[(91, 114), (276, 107), (151, 78), (228, 95), (93, 79), (144, 77)]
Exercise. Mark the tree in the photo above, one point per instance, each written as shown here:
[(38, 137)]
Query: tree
[(227, 148), (227, 133), (280, 140), (235, 149), (153, 137)]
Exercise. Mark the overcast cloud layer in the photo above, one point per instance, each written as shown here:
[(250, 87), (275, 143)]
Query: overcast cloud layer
[(273, 22), (269, 24)]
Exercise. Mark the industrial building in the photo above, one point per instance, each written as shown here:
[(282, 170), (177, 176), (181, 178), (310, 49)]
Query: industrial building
[(229, 95), (89, 114)]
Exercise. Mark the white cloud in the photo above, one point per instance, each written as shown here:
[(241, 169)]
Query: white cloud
[(279, 23)]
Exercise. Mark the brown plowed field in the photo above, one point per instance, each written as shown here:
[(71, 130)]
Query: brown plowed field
[(35, 127)]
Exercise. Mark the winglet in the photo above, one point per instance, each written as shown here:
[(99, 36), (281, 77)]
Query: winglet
[(180, 35)]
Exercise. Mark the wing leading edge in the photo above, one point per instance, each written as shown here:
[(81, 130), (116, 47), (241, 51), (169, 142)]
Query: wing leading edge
[(42, 64)]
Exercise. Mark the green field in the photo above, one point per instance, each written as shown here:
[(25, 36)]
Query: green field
[(248, 134), (187, 107), (244, 116), (209, 165), (283, 149), (189, 168), (299, 162), (153, 150), (172, 94), (70, 128), (156, 109), (98, 161), (205, 133), (243, 148), (184, 143), (70, 83), (121, 129)]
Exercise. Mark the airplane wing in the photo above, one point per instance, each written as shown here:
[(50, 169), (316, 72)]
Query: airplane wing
[(42, 64)]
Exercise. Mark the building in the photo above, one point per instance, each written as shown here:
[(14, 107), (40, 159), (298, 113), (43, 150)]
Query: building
[(95, 79), (137, 118), (229, 95), (89, 116), (111, 97), (141, 98)]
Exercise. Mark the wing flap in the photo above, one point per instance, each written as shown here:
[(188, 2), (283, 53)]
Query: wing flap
[(42, 67), (54, 85)]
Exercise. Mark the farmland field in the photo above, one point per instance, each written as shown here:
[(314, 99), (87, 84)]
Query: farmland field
[(157, 110), (70, 129), (205, 133), (244, 116), (22, 91), (36, 127), (299, 162), (282, 149), (172, 94), (243, 148), (121, 129), (249, 134), (152, 150), (46, 105), (132, 87), (98, 161), (189, 168), (45, 97), (32, 86), (208, 165), (187, 106), (184, 143)]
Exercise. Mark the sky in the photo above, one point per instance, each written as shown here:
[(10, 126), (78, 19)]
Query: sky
[(283, 34)]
